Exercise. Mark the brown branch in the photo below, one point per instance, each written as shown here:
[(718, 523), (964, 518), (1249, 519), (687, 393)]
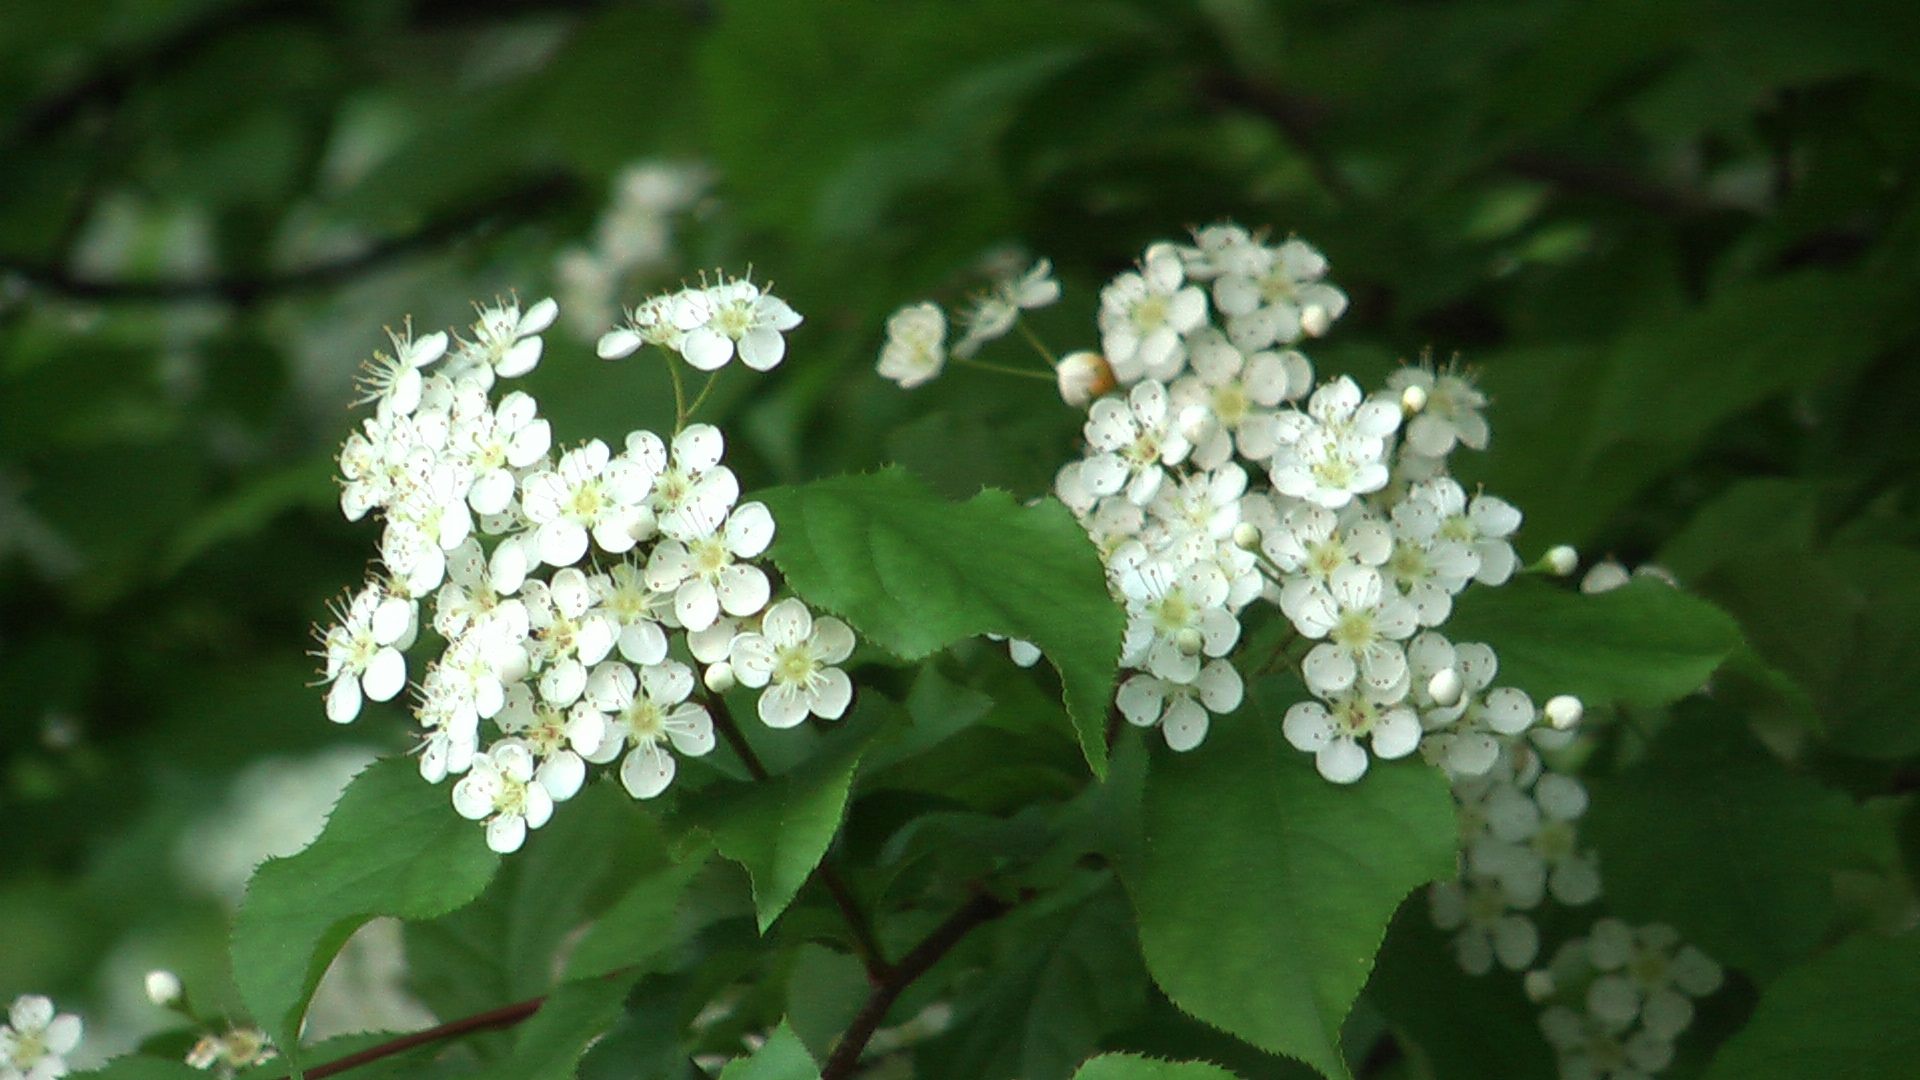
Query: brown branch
[(845, 1058), (522, 202), (866, 945), (505, 1016)]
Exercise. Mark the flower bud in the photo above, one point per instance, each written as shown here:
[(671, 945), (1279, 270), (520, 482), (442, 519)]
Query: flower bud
[(163, 987), (1561, 560), (1539, 986), (1188, 641), (1246, 535), (719, 677), (1564, 711), (1445, 686), (1315, 320), (1604, 577), (1083, 376), (1413, 399)]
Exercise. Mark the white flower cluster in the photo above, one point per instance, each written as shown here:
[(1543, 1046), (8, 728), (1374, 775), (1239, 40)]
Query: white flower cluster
[(35, 1040), (1217, 475), (227, 1055), (916, 346), (633, 239), (1617, 999), (569, 592), (708, 324)]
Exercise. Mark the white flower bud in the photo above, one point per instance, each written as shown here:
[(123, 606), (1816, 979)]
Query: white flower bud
[(1561, 560), (1604, 577), (1246, 535), (1188, 640), (1564, 711), (1083, 376), (1539, 986), (1445, 686), (1413, 399), (1315, 320), (719, 677), (163, 987)]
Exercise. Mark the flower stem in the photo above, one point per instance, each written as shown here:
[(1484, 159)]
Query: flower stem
[(701, 398), (679, 395), (1039, 346), (1003, 369)]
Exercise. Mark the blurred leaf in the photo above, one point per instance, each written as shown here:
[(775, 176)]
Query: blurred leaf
[(781, 1057), (1853, 1011), (1461, 1026), (549, 1045), (1135, 1067), (638, 926)]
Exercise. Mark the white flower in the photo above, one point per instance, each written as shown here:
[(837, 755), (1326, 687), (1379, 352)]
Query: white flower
[(1274, 295), (916, 347), (1314, 541), (1604, 576), (587, 492), (1145, 315), (394, 381), (1235, 391), (427, 519), (793, 656), (1134, 441), (704, 572), (1484, 929), (362, 650), (239, 1048), (505, 342), (1430, 564), (35, 1042), (163, 987), (1181, 708), (1469, 743), (734, 316), (500, 789), (568, 634), (648, 721), (990, 315), (559, 739), (495, 441), (1449, 413), (1175, 614), (1332, 731), (636, 610), (1359, 625), (1438, 512), (1647, 973), (692, 489), (1336, 449)]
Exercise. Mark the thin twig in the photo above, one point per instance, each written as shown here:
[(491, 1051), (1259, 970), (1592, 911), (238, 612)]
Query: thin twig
[(492, 1020), (845, 1058)]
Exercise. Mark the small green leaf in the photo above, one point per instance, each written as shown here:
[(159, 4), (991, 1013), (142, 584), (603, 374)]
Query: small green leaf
[(1645, 643), (393, 846), (1852, 1012), (1263, 890), (915, 573), (1135, 1067), (783, 1057), (779, 828), (638, 926)]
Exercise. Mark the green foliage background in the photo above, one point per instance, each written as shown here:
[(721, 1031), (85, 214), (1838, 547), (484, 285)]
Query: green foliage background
[(1679, 241)]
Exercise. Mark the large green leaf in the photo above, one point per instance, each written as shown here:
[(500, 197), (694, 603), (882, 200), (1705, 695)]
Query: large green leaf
[(549, 1045), (393, 846), (1645, 643), (1263, 890), (1135, 1067), (782, 1057), (915, 573), (1712, 835), (1852, 1013), (639, 926)]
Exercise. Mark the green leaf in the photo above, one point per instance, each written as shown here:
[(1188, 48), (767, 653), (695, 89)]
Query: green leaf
[(393, 846), (1712, 835), (1135, 1067), (783, 1057), (779, 828), (140, 1068), (1645, 643), (1852, 1013), (1065, 974), (549, 1045), (915, 573), (1263, 890), (1465, 1027), (639, 926)]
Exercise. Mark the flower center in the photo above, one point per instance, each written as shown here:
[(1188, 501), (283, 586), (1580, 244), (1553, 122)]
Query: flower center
[(1173, 613), (1150, 313), (645, 721), (586, 502), (1231, 404), (1354, 631), (1355, 716), (795, 665), (710, 556)]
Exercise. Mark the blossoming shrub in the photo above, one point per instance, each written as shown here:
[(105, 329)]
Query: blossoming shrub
[(700, 774)]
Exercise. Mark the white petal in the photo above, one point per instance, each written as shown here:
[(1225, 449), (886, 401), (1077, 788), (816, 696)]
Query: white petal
[(783, 705), (831, 697), (749, 530), (386, 674), (743, 590), (506, 833), (1341, 761), (647, 771)]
